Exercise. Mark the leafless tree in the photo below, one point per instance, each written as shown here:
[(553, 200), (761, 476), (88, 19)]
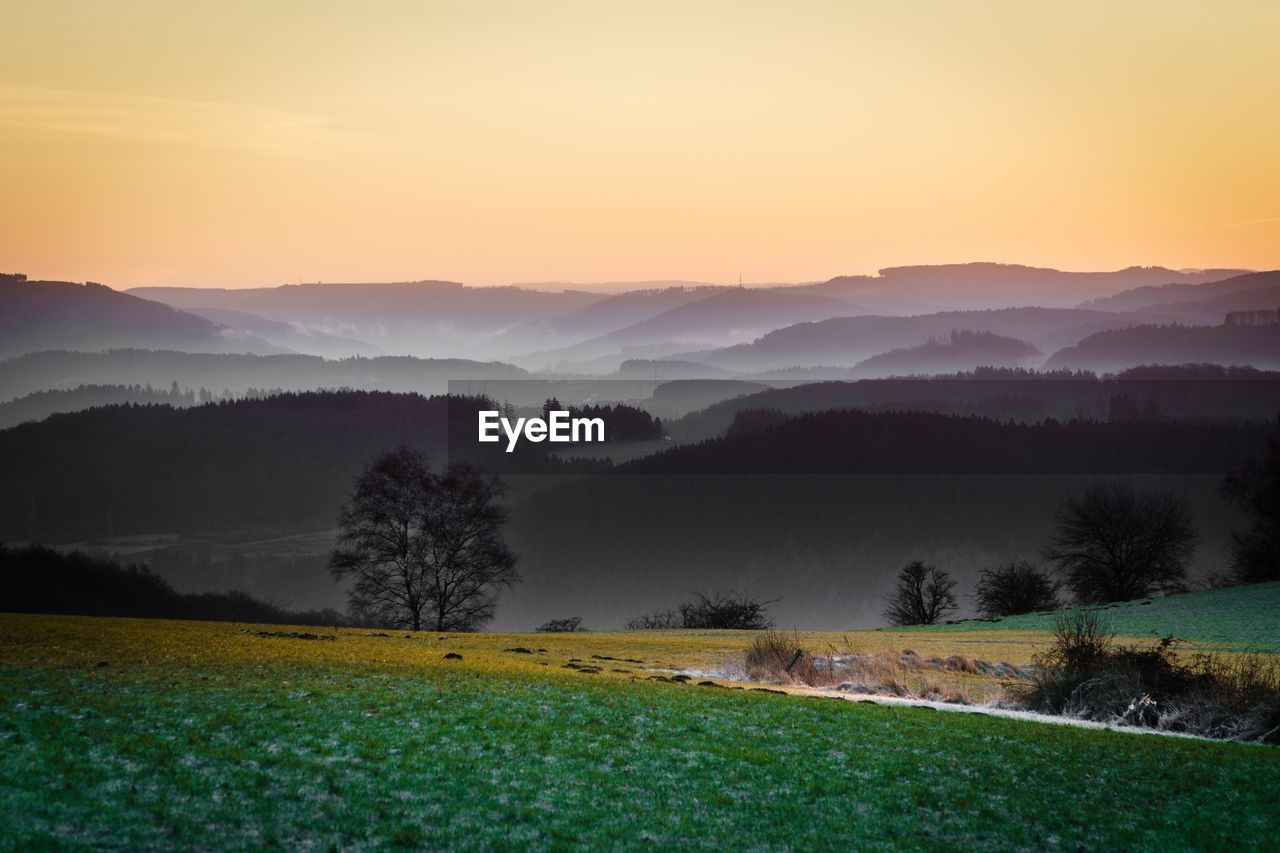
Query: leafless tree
[(1113, 543), (1015, 587), (467, 560), (424, 549), (922, 597)]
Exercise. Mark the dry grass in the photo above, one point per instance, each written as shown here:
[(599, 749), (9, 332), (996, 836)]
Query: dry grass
[(782, 658), (1086, 674)]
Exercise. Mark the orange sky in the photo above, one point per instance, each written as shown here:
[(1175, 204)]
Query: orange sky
[(251, 143)]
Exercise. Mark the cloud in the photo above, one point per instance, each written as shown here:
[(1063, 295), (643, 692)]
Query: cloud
[(173, 121)]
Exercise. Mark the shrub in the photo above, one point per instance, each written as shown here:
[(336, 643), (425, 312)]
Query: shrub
[(724, 611), (772, 654), (655, 620), (730, 611), (561, 626), (1085, 675), (922, 597), (1013, 588), (1081, 639)]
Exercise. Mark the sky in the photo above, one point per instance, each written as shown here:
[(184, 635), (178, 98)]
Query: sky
[(244, 144)]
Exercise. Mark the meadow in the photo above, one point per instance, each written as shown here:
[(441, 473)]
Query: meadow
[(126, 733), (1239, 617)]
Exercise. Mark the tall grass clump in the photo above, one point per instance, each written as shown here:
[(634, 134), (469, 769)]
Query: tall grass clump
[(1086, 675)]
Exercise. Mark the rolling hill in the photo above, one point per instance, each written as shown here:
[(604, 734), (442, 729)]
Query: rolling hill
[(723, 317), (1168, 295), (1117, 349), (425, 318), (292, 336), (845, 341), (599, 318), (963, 350), (47, 315), (237, 374), (911, 289)]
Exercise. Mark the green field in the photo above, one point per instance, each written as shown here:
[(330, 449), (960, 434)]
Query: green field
[(1240, 617), (131, 733)]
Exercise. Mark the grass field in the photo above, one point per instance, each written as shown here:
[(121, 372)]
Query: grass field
[(132, 733), (1241, 617)]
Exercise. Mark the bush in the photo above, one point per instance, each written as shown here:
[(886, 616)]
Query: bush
[(725, 611), (922, 597), (1085, 675), (1013, 588), (653, 621), (561, 626), (772, 655), (1081, 640)]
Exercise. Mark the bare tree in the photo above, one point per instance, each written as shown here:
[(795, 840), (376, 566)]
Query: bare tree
[(1015, 587), (467, 560), (381, 540), (424, 549), (922, 597), (1113, 543)]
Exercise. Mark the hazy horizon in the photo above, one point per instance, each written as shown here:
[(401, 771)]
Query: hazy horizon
[(144, 143), (616, 286)]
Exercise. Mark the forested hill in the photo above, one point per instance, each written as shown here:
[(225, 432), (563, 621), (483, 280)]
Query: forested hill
[(1189, 392), (266, 464), (233, 375), (852, 442)]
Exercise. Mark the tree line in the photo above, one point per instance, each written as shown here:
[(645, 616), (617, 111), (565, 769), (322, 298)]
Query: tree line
[(36, 579), (1112, 543)]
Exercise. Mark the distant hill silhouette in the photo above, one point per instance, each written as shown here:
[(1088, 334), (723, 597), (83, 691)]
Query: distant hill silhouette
[(1263, 292), (271, 464), (424, 318), (293, 336), (845, 341), (41, 315), (855, 442), (237, 374), (1166, 296), (1193, 392), (962, 350), (724, 316), (1117, 349), (681, 396), (650, 368), (41, 580), (911, 289), (40, 404), (599, 318)]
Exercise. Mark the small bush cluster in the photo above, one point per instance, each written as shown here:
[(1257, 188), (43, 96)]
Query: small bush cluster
[(723, 611), (1086, 675), (561, 626)]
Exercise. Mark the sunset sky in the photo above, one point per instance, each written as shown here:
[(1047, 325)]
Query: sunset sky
[(257, 143)]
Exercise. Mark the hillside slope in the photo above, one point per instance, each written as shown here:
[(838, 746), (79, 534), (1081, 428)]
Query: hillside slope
[(1246, 617), (1117, 349), (48, 315)]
